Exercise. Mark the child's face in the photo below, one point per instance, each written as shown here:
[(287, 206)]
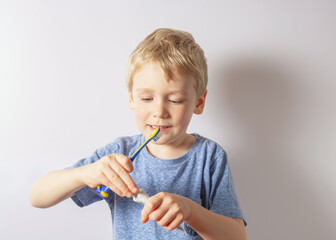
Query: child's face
[(168, 105)]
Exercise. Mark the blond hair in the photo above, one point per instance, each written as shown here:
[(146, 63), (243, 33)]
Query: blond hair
[(173, 50)]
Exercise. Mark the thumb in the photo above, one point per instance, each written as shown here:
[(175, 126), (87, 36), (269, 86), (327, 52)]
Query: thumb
[(144, 217)]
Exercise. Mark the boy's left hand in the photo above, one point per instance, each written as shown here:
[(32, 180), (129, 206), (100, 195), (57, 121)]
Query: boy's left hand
[(167, 209)]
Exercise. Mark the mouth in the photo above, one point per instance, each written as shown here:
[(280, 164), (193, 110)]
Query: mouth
[(163, 128)]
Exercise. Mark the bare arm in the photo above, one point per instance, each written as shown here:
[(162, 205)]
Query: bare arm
[(55, 187), (215, 226), (112, 171), (170, 210)]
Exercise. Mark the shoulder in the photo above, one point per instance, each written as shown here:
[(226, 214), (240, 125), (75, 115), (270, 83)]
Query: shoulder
[(209, 154), (120, 145), (208, 146)]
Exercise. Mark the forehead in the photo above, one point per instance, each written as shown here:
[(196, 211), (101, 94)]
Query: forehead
[(151, 76)]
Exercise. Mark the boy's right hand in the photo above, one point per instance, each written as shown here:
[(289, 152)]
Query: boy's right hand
[(112, 171)]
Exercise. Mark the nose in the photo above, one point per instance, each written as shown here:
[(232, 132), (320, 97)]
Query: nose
[(160, 110)]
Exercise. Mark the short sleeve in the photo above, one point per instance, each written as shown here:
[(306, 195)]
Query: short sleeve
[(223, 199)]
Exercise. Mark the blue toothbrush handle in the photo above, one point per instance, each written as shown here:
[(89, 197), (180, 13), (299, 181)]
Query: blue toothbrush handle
[(102, 190)]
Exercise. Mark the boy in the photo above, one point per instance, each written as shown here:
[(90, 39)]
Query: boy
[(186, 175)]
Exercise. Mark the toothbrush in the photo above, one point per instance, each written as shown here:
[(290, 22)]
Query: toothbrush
[(102, 190)]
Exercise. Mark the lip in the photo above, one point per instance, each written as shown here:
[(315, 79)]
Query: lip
[(163, 128)]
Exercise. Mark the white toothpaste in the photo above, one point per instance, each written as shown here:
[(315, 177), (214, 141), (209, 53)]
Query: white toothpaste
[(141, 197)]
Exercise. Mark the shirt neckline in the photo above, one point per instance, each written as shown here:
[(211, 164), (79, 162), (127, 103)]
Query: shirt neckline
[(174, 161)]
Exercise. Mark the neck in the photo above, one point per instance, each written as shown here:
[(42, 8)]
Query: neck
[(171, 150)]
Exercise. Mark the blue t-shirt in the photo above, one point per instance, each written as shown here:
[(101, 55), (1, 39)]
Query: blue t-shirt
[(202, 175)]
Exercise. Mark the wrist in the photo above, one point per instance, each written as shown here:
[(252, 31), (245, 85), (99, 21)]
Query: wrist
[(79, 174), (192, 210)]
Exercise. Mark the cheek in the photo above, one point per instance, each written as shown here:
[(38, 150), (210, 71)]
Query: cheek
[(141, 112), (184, 115)]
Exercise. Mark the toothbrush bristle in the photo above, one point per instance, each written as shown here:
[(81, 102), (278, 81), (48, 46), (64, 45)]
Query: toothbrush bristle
[(157, 137)]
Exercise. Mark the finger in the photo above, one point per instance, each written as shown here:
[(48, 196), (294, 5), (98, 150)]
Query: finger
[(116, 181), (125, 162), (167, 219), (105, 181), (176, 222), (115, 190), (152, 203), (158, 214), (144, 218), (130, 186)]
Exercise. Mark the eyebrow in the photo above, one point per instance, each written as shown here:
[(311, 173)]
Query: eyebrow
[(145, 90)]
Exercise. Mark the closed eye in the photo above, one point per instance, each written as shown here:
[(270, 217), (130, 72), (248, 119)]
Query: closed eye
[(146, 99), (176, 102)]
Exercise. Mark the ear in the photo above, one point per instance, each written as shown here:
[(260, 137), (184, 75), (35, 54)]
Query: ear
[(200, 103), (130, 100)]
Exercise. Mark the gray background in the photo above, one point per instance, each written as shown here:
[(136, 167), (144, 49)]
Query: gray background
[(271, 104)]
